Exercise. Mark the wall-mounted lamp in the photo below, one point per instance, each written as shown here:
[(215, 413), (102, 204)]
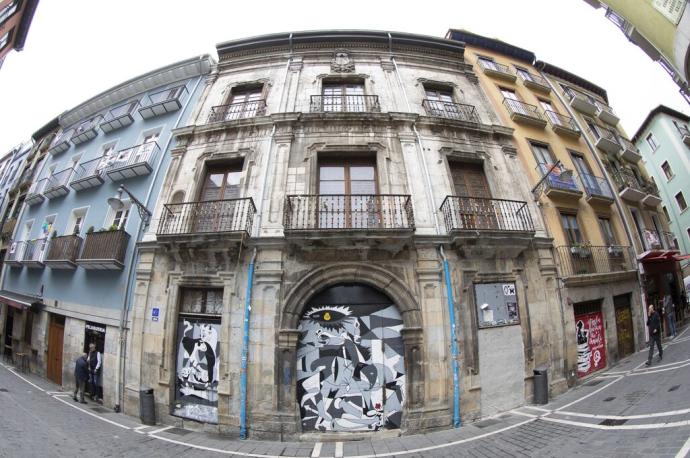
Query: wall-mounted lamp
[(116, 204)]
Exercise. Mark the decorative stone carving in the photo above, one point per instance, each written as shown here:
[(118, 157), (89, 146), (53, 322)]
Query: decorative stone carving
[(342, 62)]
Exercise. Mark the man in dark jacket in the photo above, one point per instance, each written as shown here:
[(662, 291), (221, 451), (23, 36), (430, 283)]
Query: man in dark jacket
[(654, 325), (81, 375)]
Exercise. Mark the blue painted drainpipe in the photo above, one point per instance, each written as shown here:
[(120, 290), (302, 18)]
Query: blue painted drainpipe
[(245, 349), (453, 342)]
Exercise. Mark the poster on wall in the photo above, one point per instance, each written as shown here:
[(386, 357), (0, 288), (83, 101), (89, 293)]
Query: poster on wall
[(591, 343), (196, 377)]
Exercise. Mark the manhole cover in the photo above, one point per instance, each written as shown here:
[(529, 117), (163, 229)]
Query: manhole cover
[(100, 410), (593, 383), (4, 390), (609, 399), (673, 388), (178, 431), (612, 422)]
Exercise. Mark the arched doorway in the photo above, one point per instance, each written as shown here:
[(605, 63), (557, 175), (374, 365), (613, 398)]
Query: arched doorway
[(350, 361)]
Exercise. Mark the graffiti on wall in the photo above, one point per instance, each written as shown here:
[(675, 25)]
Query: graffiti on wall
[(197, 370), (350, 368), (591, 344)]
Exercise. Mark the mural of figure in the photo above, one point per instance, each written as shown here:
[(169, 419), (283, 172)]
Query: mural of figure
[(584, 354), (197, 370), (350, 368)]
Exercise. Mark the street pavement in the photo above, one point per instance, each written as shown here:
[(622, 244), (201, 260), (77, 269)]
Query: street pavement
[(628, 411)]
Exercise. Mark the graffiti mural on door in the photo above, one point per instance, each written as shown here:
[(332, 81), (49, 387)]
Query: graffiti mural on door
[(591, 343), (350, 368)]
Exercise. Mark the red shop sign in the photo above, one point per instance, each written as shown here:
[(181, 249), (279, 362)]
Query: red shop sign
[(591, 343)]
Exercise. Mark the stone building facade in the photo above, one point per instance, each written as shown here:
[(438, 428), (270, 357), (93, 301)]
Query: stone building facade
[(308, 208)]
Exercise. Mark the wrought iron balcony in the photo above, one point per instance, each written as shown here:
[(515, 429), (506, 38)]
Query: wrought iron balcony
[(629, 188), (581, 102), (605, 113), (35, 193), (344, 103), (654, 240), (459, 111), (26, 177), (586, 260), (34, 252), (629, 151), (491, 68), (132, 162), (597, 189), (234, 111), (57, 184), (165, 101), (606, 140), (341, 212), (209, 217), (562, 125), (119, 117), (480, 214), (684, 133), (652, 198), (61, 142), (524, 112), (89, 174), (63, 252), (8, 228), (558, 182), (86, 130), (534, 81), (104, 250), (15, 253)]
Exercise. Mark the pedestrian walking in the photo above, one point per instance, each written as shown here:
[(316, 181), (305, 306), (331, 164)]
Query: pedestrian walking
[(81, 375), (654, 326), (670, 312), (95, 360)]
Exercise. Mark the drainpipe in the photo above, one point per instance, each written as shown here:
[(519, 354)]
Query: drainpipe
[(121, 356), (453, 341), (245, 349), (619, 207)]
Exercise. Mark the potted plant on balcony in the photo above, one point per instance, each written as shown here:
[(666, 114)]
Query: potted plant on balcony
[(581, 249), (615, 251)]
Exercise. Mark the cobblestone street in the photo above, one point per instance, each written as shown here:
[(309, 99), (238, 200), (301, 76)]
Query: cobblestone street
[(630, 410)]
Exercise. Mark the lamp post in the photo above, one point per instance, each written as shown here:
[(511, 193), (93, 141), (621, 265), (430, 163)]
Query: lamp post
[(116, 204)]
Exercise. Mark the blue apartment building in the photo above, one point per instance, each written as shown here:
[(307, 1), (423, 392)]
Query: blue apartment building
[(67, 278)]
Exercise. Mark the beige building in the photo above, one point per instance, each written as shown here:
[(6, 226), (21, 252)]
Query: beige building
[(301, 233)]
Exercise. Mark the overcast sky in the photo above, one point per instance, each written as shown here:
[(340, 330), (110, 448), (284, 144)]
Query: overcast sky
[(78, 48)]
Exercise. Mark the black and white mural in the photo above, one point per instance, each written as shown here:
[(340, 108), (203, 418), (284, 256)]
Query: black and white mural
[(350, 367), (196, 380)]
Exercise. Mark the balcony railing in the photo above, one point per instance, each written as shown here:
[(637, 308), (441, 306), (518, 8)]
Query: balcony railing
[(234, 111), (119, 117), (558, 180), (561, 124), (495, 69), (630, 151), (597, 189), (585, 259), (89, 174), (655, 240), (606, 114), (57, 184), (606, 140), (629, 187), (480, 214), (104, 250), (165, 101), (34, 252), (580, 102), (216, 216), (35, 193), (524, 112), (63, 252), (333, 212), (652, 198), (61, 142), (534, 81), (15, 253), (459, 111), (684, 133), (344, 103), (132, 162), (86, 130)]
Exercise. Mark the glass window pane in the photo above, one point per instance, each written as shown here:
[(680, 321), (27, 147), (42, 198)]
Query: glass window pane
[(362, 173), (332, 187), (332, 173), (363, 187), (214, 301), (192, 301)]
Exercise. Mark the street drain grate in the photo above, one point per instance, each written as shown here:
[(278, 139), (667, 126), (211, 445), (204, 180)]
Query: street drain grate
[(178, 431), (4, 390), (593, 383), (485, 423), (673, 388), (612, 422), (100, 410), (609, 399)]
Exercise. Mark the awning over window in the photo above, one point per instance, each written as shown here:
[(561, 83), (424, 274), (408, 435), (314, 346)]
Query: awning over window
[(20, 301), (659, 256)]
